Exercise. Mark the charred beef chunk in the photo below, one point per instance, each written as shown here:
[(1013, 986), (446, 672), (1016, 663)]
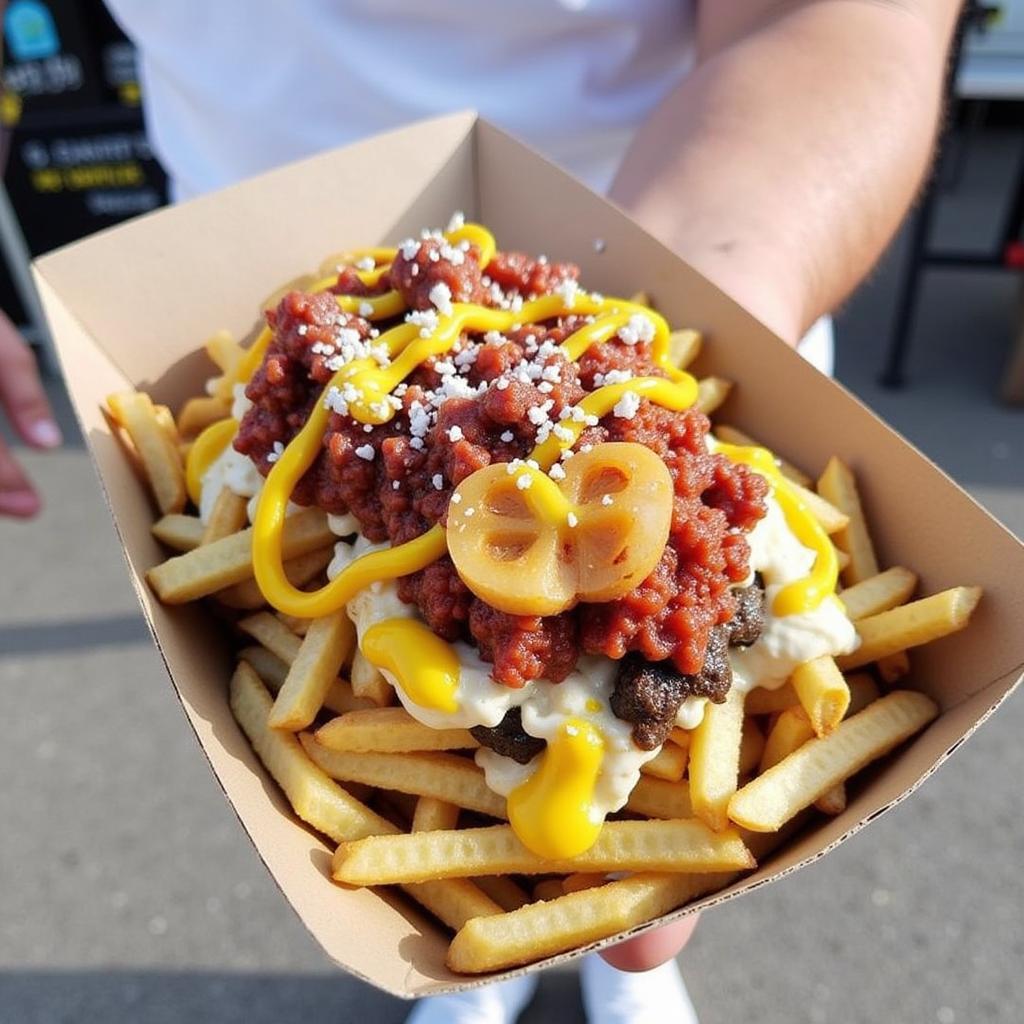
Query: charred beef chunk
[(748, 620), (649, 694), (509, 738)]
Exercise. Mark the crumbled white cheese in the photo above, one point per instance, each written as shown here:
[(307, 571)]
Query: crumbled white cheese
[(626, 407), (455, 433), (366, 452), (441, 297), (278, 451), (438, 481)]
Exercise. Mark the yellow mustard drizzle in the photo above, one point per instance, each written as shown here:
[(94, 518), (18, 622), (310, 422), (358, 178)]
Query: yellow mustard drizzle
[(205, 450), (382, 307), (427, 666), (805, 594), (552, 812)]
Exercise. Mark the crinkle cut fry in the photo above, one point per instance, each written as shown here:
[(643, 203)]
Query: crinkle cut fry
[(322, 803), (212, 567), (573, 920), (429, 773), (686, 846)]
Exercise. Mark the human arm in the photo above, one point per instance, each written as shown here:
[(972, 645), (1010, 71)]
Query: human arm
[(782, 165)]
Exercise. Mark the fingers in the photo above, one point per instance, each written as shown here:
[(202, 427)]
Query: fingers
[(17, 495), (650, 950), (21, 391)]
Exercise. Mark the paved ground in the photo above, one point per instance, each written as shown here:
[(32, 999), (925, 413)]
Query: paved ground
[(129, 893)]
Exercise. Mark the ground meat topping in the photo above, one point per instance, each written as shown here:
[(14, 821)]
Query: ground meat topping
[(650, 695), (492, 398), (509, 738), (430, 273), (748, 620)]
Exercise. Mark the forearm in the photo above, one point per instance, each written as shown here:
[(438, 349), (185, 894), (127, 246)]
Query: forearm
[(782, 166)]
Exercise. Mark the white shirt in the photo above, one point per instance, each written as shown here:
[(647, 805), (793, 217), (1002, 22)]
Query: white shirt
[(235, 87)]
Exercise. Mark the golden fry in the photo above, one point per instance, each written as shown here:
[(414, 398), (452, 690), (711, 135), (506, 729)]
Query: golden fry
[(228, 516), (576, 919), (316, 799), (656, 798), (685, 846), (770, 800), (248, 596), (823, 693), (456, 780), (506, 893), (751, 746), (837, 485), (668, 764), (911, 625), (157, 451), (368, 681), (198, 413), (878, 593), (178, 531), (215, 566), (894, 667), (548, 889), (829, 518), (273, 634), (684, 346), (321, 654), (792, 729), (389, 730), (761, 701), (711, 393), (431, 815), (715, 759)]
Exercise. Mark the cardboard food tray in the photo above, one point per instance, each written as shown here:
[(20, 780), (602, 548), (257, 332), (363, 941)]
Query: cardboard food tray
[(131, 306)]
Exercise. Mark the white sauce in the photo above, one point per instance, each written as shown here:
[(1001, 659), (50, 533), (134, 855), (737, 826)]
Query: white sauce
[(785, 643), (236, 472)]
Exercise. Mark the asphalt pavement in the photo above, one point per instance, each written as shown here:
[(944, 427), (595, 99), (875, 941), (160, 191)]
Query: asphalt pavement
[(128, 892)]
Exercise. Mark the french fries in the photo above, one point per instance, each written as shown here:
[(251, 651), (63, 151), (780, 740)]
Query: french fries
[(368, 681), (392, 792), (688, 846), (156, 448), (316, 798), (213, 567), (911, 625), (437, 774), (656, 798), (247, 596), (711, 393), (320, 656), (715, 759), (389, 730), (838, 486), (774, 797), (878, 593), (228, 516), (573, 920), (181, 532), (668, 764), (822, 692), (684, 346), (199, 412)]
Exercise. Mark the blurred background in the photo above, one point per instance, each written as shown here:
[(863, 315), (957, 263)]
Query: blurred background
[(128, 892)]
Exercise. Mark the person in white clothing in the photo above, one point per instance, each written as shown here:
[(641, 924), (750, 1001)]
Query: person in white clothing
[(774, 144)]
